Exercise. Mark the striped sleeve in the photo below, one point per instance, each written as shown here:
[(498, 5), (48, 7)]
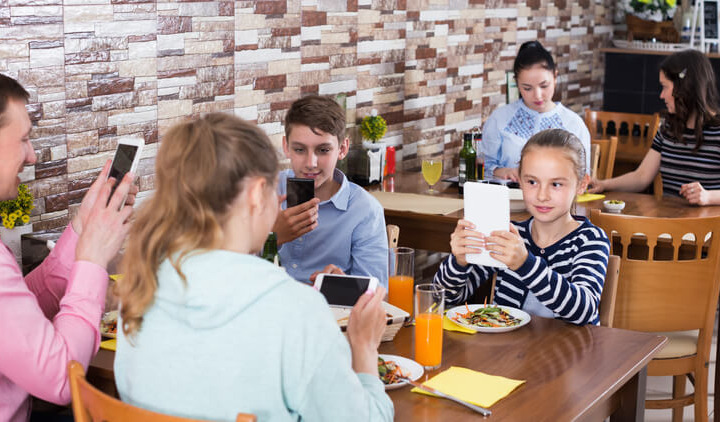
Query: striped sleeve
[(460, 282), (575, 296)]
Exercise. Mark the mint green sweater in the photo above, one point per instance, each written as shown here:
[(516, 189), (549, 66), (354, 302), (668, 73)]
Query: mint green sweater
[(243, 336)]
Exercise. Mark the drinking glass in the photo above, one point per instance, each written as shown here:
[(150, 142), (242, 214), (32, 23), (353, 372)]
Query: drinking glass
[(401, 263), (431, 171), (429, 307)]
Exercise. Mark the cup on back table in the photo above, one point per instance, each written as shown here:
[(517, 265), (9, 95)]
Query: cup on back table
[(401, 263), (429, 311)]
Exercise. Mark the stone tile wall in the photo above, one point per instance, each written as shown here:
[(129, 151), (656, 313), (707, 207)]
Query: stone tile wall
[(99, 70)]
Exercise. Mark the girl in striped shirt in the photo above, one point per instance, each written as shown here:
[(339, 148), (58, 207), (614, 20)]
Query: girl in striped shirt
[(556, 261), (686, 149)]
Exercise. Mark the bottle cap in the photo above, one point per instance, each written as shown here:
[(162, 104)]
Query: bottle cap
[(467, 136)]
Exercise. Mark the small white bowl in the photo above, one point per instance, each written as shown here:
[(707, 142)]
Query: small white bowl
[(610, 207)]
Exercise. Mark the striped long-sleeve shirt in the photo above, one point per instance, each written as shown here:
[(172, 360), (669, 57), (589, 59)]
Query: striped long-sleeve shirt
[(680, 165), (566, 277)]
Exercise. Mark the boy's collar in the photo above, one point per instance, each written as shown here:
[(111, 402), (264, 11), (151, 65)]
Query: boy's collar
[(342, 196)]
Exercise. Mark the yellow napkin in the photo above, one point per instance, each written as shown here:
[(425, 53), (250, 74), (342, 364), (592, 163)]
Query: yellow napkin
[(109, 344), (450, 325), (587, 197), (472, 386)]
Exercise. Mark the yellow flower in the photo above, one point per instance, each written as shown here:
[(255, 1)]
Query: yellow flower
[(9, 224), (671, 3), (25, 219), (18, 213), (12, 217)]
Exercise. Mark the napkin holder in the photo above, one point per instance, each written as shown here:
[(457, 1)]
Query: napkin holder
[(365, 166)]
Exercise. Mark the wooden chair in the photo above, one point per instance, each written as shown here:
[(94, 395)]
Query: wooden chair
[(609, 293), (635, 133), (90, 404), (393, 234), (674, 297), (604, 164)]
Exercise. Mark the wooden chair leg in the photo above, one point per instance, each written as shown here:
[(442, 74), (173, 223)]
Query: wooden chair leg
[(701, 395), (678, 391)]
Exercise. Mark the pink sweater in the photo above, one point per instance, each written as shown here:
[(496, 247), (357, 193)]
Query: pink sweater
[(46, 320)]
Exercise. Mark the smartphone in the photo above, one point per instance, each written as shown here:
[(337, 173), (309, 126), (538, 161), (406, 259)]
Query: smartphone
[(344, 290), (127, 156), (299, 191)]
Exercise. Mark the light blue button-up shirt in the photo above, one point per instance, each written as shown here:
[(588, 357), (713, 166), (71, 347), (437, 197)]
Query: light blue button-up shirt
[(351, 234)]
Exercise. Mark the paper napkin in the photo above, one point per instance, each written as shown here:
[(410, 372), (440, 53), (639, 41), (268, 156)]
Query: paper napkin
[(109, 344), (472, 386), (450, 325), (587, 197)]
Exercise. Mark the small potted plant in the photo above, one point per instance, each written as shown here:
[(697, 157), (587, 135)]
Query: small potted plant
[(650, 19), (372, 129), (15, 216)]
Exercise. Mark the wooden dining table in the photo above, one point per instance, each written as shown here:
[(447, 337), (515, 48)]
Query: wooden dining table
[(570, 372), (432, 232)]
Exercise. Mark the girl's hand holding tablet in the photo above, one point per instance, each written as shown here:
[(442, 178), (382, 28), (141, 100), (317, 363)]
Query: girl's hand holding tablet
[(465, 240), (507, 247)]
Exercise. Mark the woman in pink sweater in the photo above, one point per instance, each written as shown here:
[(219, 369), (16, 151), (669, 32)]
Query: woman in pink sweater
[(51, 316)]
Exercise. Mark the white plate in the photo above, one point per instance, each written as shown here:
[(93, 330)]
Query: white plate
[(408, 367), (517, 313)]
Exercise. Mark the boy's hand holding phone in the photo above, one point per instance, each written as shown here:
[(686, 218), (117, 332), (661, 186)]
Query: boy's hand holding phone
[(295, 221)]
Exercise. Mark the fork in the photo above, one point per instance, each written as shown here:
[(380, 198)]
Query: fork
[(481, 410)]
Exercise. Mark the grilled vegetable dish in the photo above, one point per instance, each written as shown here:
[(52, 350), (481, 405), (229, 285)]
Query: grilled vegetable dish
[(389, 371), (491, 316)]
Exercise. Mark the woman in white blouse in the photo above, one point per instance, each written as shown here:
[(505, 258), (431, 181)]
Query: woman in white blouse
[(509, 127)]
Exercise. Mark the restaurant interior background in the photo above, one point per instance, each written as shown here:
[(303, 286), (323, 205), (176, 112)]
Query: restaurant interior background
[(98, 70)]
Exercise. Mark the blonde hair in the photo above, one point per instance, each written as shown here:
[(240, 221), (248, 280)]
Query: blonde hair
[(199, 171), (563, 140)]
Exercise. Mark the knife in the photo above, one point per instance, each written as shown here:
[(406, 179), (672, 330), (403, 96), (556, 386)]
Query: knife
[(481, 410)]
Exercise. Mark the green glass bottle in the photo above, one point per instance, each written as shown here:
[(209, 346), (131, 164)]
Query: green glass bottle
[(467, 169), (270, 249), (480, 166)]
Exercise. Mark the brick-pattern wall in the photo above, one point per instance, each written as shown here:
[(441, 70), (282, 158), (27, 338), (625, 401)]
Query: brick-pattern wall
[(99, 70)]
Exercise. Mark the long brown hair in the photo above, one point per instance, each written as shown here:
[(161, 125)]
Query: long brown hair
[(694, 92), (199, 171)]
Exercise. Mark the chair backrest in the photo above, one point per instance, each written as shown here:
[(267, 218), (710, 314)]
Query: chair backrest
[(609, 293), (92, 405), (635, 132), (662, 291), (604, 165), (393, 234)]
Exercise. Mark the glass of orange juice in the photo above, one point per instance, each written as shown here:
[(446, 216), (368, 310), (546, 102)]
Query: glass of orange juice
[(429, 311), (401, 264)]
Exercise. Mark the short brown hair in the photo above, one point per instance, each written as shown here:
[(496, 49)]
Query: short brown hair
[(10, 89), (319, 114)]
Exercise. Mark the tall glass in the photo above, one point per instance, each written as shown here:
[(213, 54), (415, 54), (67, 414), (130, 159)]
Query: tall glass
[(429, 307), (431, 171), (401, 263)]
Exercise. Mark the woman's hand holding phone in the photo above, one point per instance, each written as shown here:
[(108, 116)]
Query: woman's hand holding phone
[(295, 221), (365, 329), (465, 240), (101, 225)]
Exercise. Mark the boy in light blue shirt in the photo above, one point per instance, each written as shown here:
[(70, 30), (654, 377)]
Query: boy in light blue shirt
[(341, 230)]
